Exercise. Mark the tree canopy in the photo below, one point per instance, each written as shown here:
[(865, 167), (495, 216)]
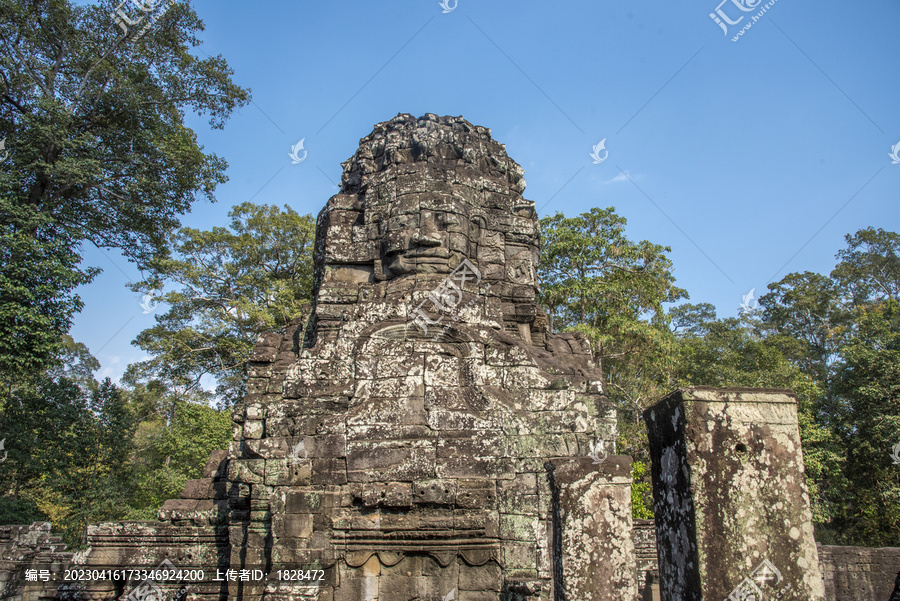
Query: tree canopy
[(99, 153), (229, 286), (833, 339)]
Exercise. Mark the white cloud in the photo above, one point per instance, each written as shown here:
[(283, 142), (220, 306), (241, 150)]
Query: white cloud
[(623, 176), (112, 368)]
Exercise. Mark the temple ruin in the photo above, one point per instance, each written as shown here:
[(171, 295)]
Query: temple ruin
[(418, 434)]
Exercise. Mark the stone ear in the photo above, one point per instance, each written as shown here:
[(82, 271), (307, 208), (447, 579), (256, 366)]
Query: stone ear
[(375, 227), (477, 228), (377, 221)]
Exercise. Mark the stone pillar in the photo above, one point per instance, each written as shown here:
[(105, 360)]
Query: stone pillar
[(732, 510), (598, 561)]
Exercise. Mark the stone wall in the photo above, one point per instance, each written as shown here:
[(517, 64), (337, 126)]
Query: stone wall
[(25, 548), (644, 536), (859, 573), (850, 573)]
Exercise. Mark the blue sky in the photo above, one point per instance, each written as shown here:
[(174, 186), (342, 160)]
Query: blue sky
[(750, 159)]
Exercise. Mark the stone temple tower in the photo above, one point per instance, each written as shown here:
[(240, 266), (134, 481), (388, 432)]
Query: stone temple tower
[(418, 434)]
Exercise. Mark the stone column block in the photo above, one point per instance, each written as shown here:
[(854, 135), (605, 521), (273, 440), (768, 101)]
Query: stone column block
[(732, 510)]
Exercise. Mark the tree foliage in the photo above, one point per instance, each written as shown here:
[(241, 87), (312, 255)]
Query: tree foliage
[(80, 453), (597, 281), (869, 379), (98, 153), (832, 339), (230, 285), (173, 442)]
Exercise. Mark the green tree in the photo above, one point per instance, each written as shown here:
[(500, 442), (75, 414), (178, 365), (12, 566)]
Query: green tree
[(837, 330), (804, 317), (869, 270), (76, 363), (98, 153), (174, 447), (38, 425), (730, 352), (39, 271), (691, 319), (90, 480), (597, 281), (869, 379), (230, 286)]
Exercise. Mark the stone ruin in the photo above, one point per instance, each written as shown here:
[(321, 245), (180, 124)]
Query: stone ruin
[(418, 433)]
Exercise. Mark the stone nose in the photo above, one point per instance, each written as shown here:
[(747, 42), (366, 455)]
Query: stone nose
[(427, 234)]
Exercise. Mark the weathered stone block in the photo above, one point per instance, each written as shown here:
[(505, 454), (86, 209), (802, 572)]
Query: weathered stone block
[(440, 492), (198, 489), (390, 494), (294, 525), (247, 471), (519, 556), (518, 527), (216, 465), (730, 494), (595, 509), (329, 471), (390, 460), (476, 494), (488, 577), (253, 429)]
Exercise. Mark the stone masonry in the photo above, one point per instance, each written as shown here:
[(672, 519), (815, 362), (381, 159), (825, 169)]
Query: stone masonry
[(732, 510), (417, 434), (24, 548)]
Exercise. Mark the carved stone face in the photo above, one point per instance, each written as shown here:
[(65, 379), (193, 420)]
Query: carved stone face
[(431, 238)]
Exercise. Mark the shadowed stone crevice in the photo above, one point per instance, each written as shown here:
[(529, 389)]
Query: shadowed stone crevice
[(559, 586)]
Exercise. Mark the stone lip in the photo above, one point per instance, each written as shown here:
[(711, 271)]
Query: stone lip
[(440, 140)]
